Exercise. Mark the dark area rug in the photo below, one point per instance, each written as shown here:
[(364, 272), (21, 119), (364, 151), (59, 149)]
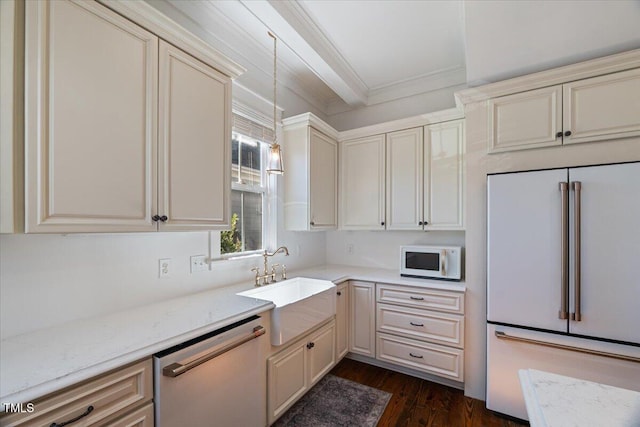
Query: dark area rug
[(335, 402)]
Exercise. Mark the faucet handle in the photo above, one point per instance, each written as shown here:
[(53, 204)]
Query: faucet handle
[(257, 270), (273, 272), (284, 272)]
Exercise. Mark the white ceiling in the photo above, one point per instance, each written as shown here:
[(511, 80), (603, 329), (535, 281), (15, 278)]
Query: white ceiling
[(341, 59)]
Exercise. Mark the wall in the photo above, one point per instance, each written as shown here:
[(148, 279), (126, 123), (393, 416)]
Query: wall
[(479, 164), (46, 280), (381, 249), (508, 39)]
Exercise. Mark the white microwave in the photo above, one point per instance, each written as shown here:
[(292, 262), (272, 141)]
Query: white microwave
[(433, 262)]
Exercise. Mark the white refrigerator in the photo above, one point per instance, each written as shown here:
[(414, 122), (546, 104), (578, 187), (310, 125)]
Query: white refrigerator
[(563, 278)]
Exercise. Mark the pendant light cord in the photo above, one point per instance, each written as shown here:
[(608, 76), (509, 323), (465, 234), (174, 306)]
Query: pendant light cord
[(275, 56)]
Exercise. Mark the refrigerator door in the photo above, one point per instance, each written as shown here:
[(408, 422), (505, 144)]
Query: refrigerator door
[(524, 256), (506, 356), (609, 250)]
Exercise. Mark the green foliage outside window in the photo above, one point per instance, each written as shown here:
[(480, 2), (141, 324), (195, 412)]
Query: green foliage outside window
[(230, 240)]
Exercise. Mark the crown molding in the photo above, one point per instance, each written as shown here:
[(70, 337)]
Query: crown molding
[(581, 70), (416, 85), (310, 119), (161, 25), (401, 124)]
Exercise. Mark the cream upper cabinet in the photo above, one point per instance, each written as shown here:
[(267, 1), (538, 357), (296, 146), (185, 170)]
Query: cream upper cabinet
[(194, 150), (444, 176), (604, 107), (526, 120), (404, 187), (594, 109), (123, 131), (362, 183), (90, 119), (311, 174)]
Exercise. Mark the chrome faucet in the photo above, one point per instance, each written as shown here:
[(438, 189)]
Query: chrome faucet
[(271, 277)]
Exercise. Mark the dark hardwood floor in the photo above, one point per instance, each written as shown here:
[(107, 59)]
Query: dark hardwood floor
[(417, 402)]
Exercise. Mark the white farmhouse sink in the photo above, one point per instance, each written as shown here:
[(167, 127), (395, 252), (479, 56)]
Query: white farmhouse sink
[(301, 304)]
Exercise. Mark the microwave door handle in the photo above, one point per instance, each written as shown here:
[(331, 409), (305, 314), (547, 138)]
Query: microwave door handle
[(443, 263)]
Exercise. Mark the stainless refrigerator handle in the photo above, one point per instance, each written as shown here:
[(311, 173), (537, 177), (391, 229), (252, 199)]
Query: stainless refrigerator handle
[(501, 335), (563, 313), (176, 369), (577, 187)]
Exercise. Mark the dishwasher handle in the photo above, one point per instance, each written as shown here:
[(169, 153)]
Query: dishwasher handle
[(176, 369)]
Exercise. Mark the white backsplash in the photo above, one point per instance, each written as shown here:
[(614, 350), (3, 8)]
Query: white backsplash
[(381, 249)]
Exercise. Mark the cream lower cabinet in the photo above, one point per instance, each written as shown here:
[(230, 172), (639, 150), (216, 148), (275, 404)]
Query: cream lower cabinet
[(120, 398), (594, 109), (363, 320), (421, 329), (342, 320), (94, 108), (294, 370)]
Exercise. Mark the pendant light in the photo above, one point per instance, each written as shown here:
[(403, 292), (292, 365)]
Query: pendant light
[(274, 165)]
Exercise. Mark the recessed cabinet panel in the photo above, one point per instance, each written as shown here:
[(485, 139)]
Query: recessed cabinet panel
[(362, 181), (323, 182), (322, 356), (444, 176), (404, 180), (342, 320), (363, 320), (287, 379), (603, 107), (525, 120), (194, 177), (90, 119)]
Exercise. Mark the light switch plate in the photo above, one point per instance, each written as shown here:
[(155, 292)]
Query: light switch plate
[(199, 263)]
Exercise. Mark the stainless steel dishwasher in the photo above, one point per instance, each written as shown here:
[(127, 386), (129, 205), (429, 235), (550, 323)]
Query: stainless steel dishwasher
[(218, 379)]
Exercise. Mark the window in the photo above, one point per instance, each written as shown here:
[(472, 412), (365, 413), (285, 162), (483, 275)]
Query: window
[(248, 197)]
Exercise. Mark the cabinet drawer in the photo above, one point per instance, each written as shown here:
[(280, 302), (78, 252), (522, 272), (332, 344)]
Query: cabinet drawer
[(109, 395), (431, 358), (426, 325), (142, 417), (450, 302)]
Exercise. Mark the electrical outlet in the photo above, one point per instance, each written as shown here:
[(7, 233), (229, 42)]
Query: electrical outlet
[(164, 267), (350, 248), (199, 263)]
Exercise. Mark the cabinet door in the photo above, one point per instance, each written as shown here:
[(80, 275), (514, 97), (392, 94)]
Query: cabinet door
[(194, 149), (603, 107), (90, 119), (609, 246), (524, 256), (287, 378), (362, 183), (323, 180), (363, 321), (322, 354), (525, 120), (342, 320), (444, 176), (404, 180)]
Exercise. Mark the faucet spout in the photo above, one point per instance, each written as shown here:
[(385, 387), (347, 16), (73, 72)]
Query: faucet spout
[(280, 249)]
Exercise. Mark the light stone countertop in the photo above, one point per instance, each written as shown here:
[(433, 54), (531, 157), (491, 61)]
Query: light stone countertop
[(557, 401), (38, 363)]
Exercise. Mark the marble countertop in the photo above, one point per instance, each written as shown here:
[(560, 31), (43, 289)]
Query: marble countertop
[(37, 363), (558, 401)]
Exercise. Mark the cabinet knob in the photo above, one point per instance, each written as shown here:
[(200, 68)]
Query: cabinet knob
[(420, 223), (567, 133), (382, 223), (310, 345), (425, 223), (164, 218), (156, 218), (559, 134), (339, 293), (312, 223)]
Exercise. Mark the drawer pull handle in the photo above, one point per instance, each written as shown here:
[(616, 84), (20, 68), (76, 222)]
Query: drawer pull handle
[(417, 298), (417, 357), (416, 324), (73, 420)]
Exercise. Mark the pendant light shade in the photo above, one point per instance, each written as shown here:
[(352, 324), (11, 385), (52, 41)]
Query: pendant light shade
[(274, 165)]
